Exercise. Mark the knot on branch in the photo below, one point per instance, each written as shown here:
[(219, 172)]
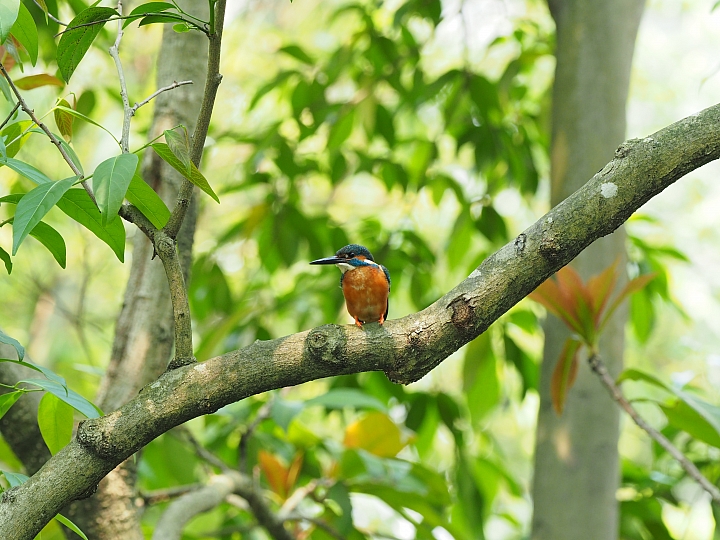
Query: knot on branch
[(179, 362), (520, 243), (550, 247), (164, 245), (625, 148), (93, 435), (326, 344), (463, 315), (8, 496)]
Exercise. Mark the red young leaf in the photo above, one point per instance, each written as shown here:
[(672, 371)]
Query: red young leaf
[(576, 293), (564, 374), (600, 287), (275, 472), (549, 295), (293, 473), (633, 286)]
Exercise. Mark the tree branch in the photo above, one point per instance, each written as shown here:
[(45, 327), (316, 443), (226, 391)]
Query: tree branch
[(599, 368), (212, 83), (53, 138), (166, 249), (127, 110), (405, 349)]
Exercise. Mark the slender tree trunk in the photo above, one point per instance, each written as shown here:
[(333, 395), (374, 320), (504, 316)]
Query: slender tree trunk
[(576, 458), (144, 332)]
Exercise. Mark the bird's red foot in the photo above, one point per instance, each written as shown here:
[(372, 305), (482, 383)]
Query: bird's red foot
[(358, 323), (382, 320)]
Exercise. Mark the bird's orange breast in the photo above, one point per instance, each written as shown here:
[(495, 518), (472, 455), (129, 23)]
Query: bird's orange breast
[(366, 292)]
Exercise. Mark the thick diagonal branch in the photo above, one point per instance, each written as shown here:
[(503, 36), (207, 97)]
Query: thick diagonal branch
[(406, 349)]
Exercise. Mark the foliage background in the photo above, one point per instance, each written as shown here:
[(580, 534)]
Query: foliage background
[(251, 281)]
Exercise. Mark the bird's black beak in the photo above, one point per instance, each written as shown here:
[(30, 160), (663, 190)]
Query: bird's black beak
[(328, 260)]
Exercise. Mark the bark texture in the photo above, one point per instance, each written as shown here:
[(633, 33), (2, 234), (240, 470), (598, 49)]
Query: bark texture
[(576, 457), (405, 349), (143, 340)]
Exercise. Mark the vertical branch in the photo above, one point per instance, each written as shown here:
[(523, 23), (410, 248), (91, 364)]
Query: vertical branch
[(599, 368), (127, 110), (212, 83), (166, 250)]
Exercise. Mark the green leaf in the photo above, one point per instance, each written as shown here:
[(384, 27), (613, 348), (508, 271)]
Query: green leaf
[(70, 525), (15, 479), (690, 414), (76, 40), (36, 81), (72, 398), (52, 240), (195, 176), (8, 400), (5, 256), (147, 201), (480, 378), (341, 130), (55, 420), (26, 32), (4, 338), (33, 207), (297, 53), (5, 88), (8, 14), (110, 183), (180, 146), (162, 18), (45, 371), (28, 171), (703, 426), (70, 152), (13, 139), (63, 120), (145, 9), (339, 398), (78, 205), (87, 119)]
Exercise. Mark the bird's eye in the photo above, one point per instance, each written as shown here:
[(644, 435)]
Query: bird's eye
[(351, 255)]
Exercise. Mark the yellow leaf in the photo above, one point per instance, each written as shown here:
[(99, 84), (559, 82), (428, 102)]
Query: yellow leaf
[(376, 433)]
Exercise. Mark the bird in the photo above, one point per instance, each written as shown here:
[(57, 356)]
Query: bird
[(365, 284)]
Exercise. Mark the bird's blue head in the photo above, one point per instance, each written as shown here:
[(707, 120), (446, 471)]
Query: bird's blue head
[(353, 255)]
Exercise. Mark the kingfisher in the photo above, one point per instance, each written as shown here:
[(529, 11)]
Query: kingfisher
[(365, 284)]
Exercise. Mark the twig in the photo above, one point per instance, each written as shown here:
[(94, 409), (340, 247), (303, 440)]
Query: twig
[(262, 414), (9, 116), (127, 110), (166, 249), (163, 495), (599, 368), (172, 86), (203, 122), (318, 523), (49, 15), (179, 19), (246, 488), (201, 451), (42, 126)]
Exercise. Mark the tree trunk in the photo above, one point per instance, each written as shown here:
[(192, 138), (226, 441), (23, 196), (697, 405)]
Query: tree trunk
[(576, 457), (144, 332)]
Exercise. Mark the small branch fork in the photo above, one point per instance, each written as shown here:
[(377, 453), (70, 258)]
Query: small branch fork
[(597, 365), (155, 94)]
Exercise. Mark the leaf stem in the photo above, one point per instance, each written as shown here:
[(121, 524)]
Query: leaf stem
[(155, 94), (9, 116)]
